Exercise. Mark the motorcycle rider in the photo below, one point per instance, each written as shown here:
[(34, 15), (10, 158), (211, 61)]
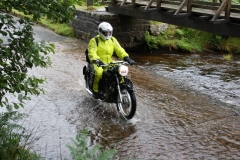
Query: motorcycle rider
[(101, 52)]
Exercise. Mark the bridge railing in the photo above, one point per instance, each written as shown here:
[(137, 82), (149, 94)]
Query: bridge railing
[(219, 12)]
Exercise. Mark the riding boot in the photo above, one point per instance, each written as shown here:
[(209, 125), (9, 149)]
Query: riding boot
[(95, 95)]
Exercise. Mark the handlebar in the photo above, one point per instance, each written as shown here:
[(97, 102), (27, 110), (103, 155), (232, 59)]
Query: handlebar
[(114, 62)]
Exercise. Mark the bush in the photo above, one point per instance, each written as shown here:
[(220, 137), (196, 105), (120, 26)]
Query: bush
[(15, 139), (81, 151), (150, 41)]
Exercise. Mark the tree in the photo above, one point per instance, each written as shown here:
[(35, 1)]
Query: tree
[(19, 52)]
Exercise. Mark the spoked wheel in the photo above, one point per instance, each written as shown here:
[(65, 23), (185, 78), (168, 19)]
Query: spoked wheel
[(128, 106)]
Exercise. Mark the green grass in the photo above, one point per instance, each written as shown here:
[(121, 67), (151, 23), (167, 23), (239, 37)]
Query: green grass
[(232, 45), (59, 28), (191, 40)]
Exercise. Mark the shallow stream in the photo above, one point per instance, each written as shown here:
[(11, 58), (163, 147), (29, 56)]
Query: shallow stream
[(187, 107)]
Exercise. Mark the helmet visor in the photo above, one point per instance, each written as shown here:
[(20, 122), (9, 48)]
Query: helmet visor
[(107, 33)]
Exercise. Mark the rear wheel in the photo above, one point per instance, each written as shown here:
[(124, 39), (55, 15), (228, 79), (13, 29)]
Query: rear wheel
[(89, 75), (128, 106), (86, 77)]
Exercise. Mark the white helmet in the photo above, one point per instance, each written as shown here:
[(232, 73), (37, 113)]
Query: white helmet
[(105, 30)]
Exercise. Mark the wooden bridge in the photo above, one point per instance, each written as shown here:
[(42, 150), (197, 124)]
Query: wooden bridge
[(221, 17)]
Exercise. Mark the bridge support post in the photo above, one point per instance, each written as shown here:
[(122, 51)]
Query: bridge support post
[(159, 4), (227, 9), (226, 4)]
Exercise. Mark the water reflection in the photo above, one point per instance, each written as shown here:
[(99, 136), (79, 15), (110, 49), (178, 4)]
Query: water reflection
[(105, 124), (208, 73)]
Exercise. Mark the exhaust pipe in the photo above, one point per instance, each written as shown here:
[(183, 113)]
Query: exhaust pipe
[(89, 92)]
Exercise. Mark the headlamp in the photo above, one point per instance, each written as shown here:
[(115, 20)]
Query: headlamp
[(123, 70)]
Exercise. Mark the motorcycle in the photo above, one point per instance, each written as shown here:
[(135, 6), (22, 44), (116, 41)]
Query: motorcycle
[(114, 87)]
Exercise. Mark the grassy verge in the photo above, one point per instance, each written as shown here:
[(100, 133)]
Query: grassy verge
[(59, 28), (191, 40)]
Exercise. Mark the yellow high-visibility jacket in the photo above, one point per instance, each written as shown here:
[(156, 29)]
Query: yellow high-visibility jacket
[(105, 49)]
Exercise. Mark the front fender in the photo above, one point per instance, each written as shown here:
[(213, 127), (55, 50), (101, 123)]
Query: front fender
[(128, 85)]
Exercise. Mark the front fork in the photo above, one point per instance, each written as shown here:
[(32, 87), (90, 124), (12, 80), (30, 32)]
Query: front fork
[(119, 90)]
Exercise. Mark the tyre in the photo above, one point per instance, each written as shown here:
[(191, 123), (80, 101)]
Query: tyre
[(128, 106), (86, 77), (89, 76)]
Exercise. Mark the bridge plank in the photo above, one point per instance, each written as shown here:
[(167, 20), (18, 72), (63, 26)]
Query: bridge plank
[(235, 10), (205, 7)]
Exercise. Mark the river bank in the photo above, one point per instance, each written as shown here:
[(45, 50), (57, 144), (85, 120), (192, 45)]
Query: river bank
[(189, 40)]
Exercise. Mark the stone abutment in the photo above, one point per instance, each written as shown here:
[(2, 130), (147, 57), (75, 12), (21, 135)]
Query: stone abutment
[(129, 31)]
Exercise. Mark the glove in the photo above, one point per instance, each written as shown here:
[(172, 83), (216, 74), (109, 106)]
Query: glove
[(99, 62), (129, 60)]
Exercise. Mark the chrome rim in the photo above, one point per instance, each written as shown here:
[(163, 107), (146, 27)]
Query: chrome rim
[(126, 106)]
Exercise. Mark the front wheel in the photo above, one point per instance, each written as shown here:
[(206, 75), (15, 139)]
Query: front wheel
[(129, 104)]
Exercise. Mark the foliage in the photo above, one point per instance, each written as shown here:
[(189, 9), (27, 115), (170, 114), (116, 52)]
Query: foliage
[(80, 2), (151, 41), (19, 52), (192, 40), (14, 139), (235, 1), (227, 57), (57, 10), (232, 45), (81, 151), (97, 3), (227, 44), (154, 22), (16, 57), (91, 8), (170, 32)]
